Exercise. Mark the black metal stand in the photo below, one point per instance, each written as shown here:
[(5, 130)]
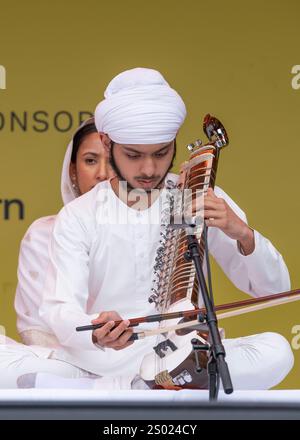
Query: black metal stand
[(217, 367)]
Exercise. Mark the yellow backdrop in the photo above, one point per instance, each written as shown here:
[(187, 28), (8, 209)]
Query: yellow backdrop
[(235, 59)]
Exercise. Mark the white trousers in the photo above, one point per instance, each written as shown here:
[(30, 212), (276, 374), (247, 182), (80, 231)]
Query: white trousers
[(18, 359), (256, 362)]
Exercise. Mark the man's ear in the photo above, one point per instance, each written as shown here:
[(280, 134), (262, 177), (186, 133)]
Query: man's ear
[(106, 142)]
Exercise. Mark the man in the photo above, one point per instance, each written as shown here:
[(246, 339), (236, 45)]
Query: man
[(102, 266)]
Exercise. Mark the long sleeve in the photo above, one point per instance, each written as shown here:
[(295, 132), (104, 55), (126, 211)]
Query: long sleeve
[(260, 273), (66, 293), (32, 267)]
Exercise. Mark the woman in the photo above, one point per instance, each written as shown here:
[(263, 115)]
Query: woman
[(85, 165)]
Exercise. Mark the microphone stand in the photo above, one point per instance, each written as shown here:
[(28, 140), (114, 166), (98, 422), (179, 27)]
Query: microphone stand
[(217, 367)]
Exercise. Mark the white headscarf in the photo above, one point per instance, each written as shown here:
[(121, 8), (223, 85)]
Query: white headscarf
[(67, 191), (140, 108)]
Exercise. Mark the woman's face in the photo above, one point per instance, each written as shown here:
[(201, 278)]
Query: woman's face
[(91, 165)]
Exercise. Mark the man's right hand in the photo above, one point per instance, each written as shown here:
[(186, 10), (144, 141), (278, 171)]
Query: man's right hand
[(107, 336)]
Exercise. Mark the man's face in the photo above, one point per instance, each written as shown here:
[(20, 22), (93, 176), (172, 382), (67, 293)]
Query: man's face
[(142, 166)]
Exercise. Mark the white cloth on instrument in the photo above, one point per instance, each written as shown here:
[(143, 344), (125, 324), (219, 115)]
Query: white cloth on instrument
[(96, 266), (140, 108)]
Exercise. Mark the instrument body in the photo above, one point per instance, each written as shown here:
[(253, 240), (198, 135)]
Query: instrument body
[(172, 363)]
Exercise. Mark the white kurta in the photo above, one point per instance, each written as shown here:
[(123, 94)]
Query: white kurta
[(96, 266)]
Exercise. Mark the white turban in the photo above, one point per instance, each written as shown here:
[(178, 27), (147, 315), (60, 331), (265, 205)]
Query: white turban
[(140, 108)]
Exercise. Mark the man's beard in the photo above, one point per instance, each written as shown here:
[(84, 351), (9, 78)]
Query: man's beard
[(122, 178)]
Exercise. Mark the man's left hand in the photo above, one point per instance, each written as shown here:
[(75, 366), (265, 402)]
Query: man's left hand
[(218, 214)]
